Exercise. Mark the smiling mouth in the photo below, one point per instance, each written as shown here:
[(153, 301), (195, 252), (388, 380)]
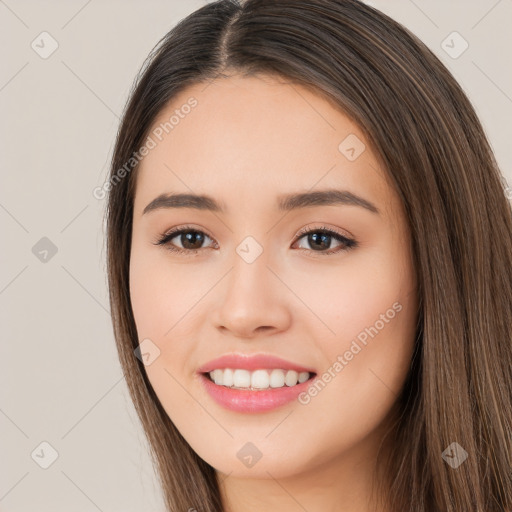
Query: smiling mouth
[(257, 380)]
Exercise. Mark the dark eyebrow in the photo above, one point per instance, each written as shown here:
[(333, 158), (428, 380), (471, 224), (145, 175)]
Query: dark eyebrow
[(198, 202), (330, 197)]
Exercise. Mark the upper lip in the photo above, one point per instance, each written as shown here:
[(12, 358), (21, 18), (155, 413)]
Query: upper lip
[(252, 362)]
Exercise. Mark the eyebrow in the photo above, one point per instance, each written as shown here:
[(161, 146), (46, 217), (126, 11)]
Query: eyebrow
[(329, 197)]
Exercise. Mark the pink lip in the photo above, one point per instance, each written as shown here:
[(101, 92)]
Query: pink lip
[(251, 363), (248, 401)]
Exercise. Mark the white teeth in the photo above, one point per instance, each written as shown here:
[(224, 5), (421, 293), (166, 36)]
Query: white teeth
[(217, 376), (277, 379), (291, 378), (303, 377), (227, 379), (258, 379), (241, 378)]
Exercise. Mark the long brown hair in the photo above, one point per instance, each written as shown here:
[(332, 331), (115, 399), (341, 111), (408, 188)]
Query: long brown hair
[(430, 141)]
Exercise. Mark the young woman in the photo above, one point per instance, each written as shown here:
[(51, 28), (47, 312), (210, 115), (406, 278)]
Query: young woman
[(309, 259)]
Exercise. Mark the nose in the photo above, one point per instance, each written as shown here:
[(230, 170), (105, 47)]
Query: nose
[(253, 301)]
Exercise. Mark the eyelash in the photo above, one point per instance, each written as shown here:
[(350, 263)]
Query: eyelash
[(349, 243)]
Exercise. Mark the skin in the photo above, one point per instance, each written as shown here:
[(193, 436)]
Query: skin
[(248, 141)]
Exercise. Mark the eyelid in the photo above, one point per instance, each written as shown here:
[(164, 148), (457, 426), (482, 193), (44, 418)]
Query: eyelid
[(348, 241), (171, 233), (305, 230), (323, 227)]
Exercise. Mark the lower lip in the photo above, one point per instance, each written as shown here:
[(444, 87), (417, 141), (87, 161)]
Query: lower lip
[(253, 401)]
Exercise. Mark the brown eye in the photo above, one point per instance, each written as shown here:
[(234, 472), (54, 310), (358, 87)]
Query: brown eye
[(320, 239), (188, 240), (191, 239)]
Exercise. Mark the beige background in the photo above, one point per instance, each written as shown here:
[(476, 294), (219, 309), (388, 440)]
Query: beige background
[(60, 380)]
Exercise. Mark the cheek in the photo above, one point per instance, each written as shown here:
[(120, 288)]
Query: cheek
[(365, 363), (162, 298), (369, 305), (166, 300), (352, 294), (162, 292)]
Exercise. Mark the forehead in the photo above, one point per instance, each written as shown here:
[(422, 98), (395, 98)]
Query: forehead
[(238, 138)]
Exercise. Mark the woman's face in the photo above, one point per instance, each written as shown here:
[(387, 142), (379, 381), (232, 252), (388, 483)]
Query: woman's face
[(343, 309)]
